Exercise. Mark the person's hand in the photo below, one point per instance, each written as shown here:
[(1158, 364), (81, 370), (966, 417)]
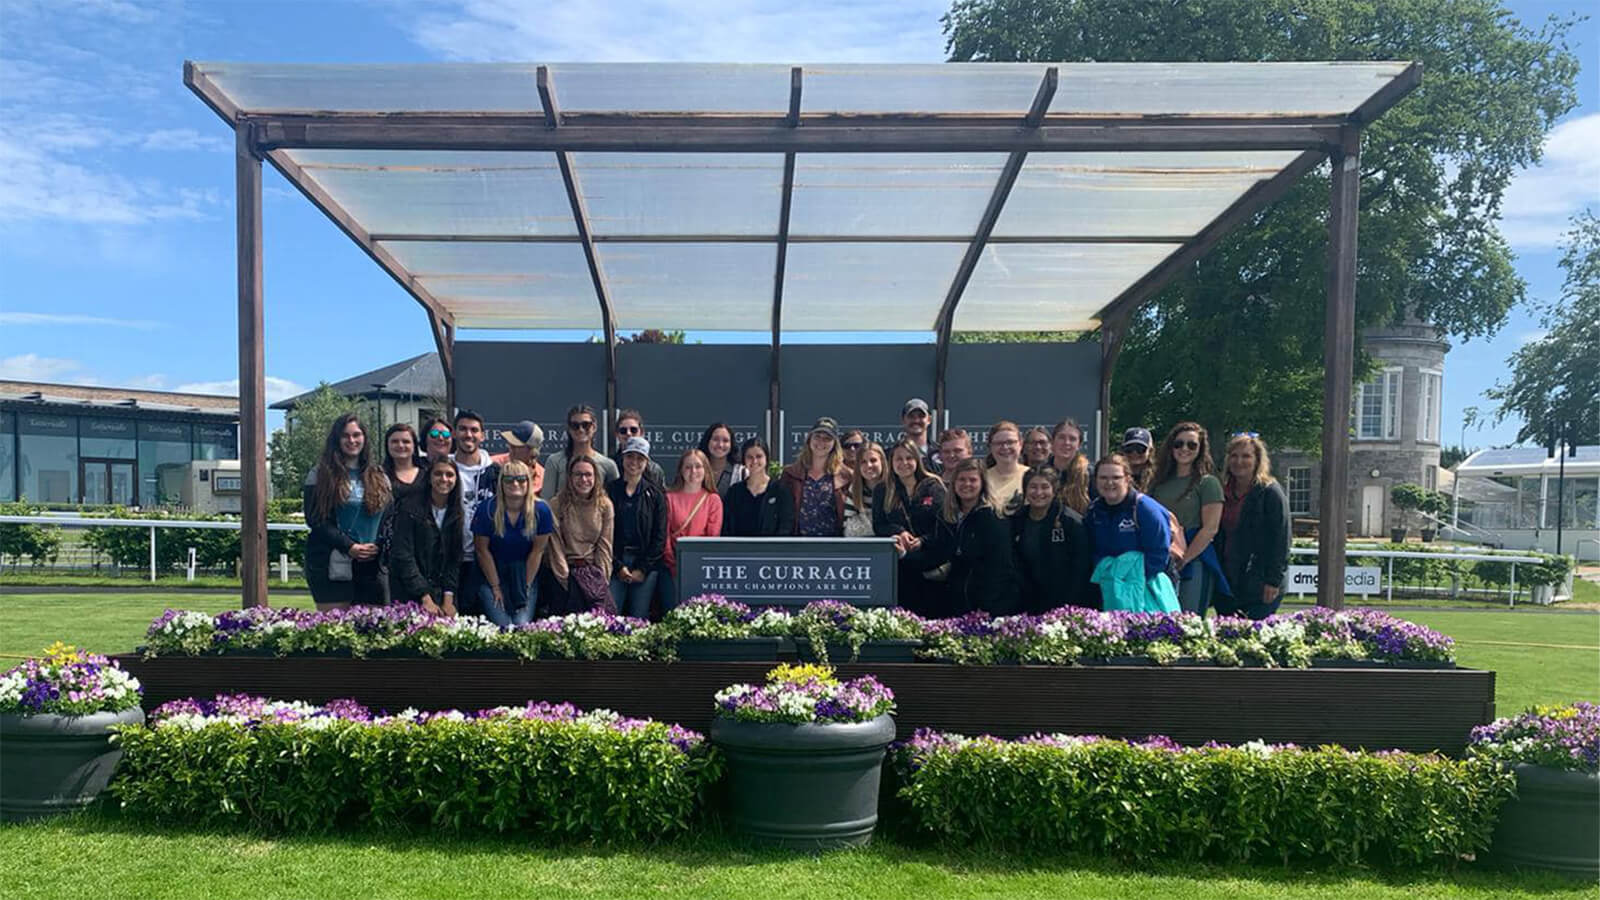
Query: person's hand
[(1269, 593), (428, 606), (625, 575), (449, 604), (364, 552), (499, 600)]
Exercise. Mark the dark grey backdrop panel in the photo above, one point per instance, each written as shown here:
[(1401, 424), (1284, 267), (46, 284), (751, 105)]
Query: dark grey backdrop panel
[(508, 381), (682, 388), (861, 385), (1030, 384)]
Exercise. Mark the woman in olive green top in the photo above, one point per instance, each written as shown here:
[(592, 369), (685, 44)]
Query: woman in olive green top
[(1184, 483)]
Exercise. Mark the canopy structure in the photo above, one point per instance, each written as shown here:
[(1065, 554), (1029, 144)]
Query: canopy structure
[(942, 198)]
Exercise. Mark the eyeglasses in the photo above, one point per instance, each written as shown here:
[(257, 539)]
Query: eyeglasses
[(586, 425), (438, 433), (854, 445), (1248, 434), (1135, 450), (1186, 445), (517, 479), (628, 429)]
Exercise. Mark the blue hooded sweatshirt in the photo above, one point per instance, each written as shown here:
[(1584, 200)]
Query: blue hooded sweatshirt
[(1137, 523)]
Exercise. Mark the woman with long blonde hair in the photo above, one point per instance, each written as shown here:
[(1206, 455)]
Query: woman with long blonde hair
[(509, 533), (908, 501), (816, 483), (1254, 536), (1071, 465), (871, 470), (693, 510)]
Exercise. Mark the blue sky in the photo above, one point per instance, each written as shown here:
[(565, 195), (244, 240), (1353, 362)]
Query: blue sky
[(116, 187)]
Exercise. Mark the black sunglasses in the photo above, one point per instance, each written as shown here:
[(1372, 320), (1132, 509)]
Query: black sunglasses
[(1186, 445), (628, 429), (581, 426), (854, 445), (517, 479)]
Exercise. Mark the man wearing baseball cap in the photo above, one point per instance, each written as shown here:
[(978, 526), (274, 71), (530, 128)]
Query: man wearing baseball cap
[(914, 419), (522, 444), (1136, 446)]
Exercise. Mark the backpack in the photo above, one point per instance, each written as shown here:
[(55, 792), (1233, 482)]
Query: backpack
[(1176, 548)]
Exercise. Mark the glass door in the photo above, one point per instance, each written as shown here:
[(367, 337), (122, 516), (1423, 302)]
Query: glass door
[(107, 482), (121, 483)]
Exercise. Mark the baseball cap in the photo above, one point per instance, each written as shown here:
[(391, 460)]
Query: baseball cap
[(524, 434), (637, 445), (915, 403), (826, 424), (1138, 436)]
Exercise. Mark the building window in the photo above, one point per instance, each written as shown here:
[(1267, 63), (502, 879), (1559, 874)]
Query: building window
[(1430, 477), (8, 456), (216, 442), (1432, 389), (1377, 407), (165, 449), (106, 438), (47, 457), (1300, 490)]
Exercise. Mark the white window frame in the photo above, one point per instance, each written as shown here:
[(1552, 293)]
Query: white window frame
[(1432, 407), (1299, 479), (1390, 381)]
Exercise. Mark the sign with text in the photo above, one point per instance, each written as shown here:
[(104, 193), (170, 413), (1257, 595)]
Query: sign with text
[(789, 571), (1357, 580)]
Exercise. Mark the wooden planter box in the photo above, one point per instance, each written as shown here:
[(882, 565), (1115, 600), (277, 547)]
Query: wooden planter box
[(1408, 709)]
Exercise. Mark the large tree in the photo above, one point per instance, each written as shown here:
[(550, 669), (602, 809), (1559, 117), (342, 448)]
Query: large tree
[(295, 447), (1555, 381), (1236, 341)]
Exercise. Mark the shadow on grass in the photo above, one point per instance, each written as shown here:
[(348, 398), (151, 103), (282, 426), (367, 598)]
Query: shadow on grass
[(714, 845)]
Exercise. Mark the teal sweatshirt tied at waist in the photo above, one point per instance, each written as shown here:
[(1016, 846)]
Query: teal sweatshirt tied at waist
[(1124, 587)]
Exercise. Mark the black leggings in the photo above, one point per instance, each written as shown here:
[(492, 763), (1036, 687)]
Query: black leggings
[(362, 589)]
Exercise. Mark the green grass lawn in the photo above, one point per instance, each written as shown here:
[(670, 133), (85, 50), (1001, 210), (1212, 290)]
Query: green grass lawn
[(101, 856)]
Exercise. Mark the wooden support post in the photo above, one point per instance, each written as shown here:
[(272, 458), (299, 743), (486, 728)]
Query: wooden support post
[(252, 373), (444, 342), (785, 202), (1112, 332), (1339, 340)]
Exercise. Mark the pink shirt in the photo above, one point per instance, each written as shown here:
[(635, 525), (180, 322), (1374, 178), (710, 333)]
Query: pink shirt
[(707, 521)]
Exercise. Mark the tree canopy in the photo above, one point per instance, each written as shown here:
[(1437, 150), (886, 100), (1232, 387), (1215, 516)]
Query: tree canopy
[(1555, 380), (1236, 342), (294, 448)]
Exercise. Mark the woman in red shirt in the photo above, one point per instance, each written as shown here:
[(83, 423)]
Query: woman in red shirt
[(693, 510)]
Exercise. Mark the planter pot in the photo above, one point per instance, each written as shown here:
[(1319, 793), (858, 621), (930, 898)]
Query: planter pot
[(1542, 594), (1553, 823), (1427, 535), (805, 787), (886, 651), (1128, 661), (1397, 535), (751, 649), (52, 764), (1380, 664)]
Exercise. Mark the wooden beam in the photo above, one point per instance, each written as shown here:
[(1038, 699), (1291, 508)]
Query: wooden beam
[(204, 88), (1249, 203), (253, 565), (1112, 333), (821, 119), (1339, 341), (444, 342), (580, 218), (786, 200), (363, 132), (321, 199), (444, 238), (1388, 95)]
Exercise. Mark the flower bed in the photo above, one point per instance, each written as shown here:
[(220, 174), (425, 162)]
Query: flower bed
[(68, 682), (799, 694), (550, 769), (1556, 737), (1153, 799)]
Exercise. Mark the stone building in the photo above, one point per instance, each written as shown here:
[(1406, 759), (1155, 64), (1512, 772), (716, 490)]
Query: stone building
[(1395, 430)]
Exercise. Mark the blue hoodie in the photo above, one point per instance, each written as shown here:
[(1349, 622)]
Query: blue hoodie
[(1137, 523)]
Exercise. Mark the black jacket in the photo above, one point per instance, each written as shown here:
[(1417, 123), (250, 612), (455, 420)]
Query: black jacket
[(983, 573), (326, 536), (917, 513), (423, 557), (1258, 555), (652, 525), (769, 515), (1060, 575)]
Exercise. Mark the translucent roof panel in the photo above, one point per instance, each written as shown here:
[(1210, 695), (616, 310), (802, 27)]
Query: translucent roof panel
[(444, 192), (1050, 286), (504, 285), (875, 194), (988, 88), (1220, 88), (724, 287), (867, 287), (1130, 194), (680, 193)]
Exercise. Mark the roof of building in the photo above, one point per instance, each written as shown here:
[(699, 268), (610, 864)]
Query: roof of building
[(419, 376), (1530, 461), (116, 399)]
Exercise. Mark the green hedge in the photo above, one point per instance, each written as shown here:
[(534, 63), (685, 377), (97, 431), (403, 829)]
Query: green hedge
[(1154, 802), (555, 779)]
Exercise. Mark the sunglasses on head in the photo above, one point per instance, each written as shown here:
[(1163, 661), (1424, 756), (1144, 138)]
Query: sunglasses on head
[(438, 433), (1186, 445), (1248, 434), (581, 426)]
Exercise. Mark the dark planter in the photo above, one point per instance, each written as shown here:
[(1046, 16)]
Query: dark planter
[(751, 649), (1552, 823), (1380, 664), (804, 787), (1428, 534), (52, 764), (1397, 535), (886, 651)]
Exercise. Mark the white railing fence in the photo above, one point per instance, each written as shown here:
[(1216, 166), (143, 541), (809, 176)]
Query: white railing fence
[(1389, 556), (153, 525)]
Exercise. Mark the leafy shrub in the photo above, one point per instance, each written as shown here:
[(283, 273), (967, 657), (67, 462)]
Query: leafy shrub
[(1155, 800), (548, 769), (39, 544)]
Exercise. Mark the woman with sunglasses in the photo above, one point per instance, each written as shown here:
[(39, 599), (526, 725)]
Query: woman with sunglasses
[(630, 424), (510, 531), (976, 543), (816, 483), (1185, 485), (870, 470), (1136, 447), (850, 444), (581, 424), (908, 502), (717, 444), (438, 440), (1254, 535)]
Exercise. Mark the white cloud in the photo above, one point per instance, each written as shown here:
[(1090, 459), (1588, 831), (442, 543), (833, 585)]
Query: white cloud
[(277, 388), (33, 367), (26, 318), (1541, 199), (1529, 337), (679, 30), (36, 185), (184, 139)]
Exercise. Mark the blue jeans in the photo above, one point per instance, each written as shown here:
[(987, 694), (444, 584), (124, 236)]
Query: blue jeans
[(1194, 591), (667, 587), (634, 599), (520, 596)]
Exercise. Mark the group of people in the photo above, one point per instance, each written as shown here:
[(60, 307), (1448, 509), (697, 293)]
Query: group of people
[(1033, 525)]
